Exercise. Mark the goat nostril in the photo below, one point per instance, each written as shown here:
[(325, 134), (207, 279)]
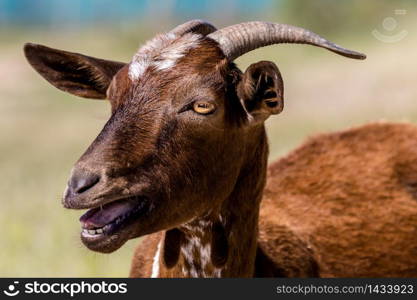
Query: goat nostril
[(83, 181), (272, 104)]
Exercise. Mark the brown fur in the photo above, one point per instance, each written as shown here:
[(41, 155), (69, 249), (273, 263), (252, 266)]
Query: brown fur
[(343, 204), (350, 196)]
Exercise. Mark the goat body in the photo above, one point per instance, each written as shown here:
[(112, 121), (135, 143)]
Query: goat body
[(343, 204)]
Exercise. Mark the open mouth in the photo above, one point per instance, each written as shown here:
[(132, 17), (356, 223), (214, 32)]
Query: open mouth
[(109, 218)]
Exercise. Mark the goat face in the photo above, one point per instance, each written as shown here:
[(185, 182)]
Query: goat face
[(183, 121), (175, 143)]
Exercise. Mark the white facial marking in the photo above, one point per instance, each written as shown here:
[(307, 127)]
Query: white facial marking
[(162, 53), (136, 70), (155, 264)]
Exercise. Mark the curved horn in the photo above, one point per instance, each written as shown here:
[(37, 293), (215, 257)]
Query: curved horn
[(196, 26), (239, 39)]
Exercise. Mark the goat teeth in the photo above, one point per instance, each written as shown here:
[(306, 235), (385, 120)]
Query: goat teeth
[(93, 231)]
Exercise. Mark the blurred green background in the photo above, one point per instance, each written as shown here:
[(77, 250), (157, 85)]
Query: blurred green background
[(43, 131)]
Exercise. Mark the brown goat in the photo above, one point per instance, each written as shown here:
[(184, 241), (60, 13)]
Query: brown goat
[(183, 160)]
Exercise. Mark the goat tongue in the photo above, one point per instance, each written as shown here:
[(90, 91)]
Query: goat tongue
[(100, 216)]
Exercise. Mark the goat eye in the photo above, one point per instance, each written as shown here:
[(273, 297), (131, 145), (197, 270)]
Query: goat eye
[(203, 107)]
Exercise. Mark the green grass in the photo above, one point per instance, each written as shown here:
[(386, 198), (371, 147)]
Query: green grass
[(43, 132)]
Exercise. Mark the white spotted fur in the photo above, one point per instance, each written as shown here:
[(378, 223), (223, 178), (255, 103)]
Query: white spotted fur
[(194, 245)]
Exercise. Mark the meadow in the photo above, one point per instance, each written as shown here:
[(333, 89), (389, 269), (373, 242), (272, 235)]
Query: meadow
[(43, 131)]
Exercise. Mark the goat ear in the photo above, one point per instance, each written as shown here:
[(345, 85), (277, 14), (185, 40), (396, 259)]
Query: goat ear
[(74, 73), (261, 91)]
